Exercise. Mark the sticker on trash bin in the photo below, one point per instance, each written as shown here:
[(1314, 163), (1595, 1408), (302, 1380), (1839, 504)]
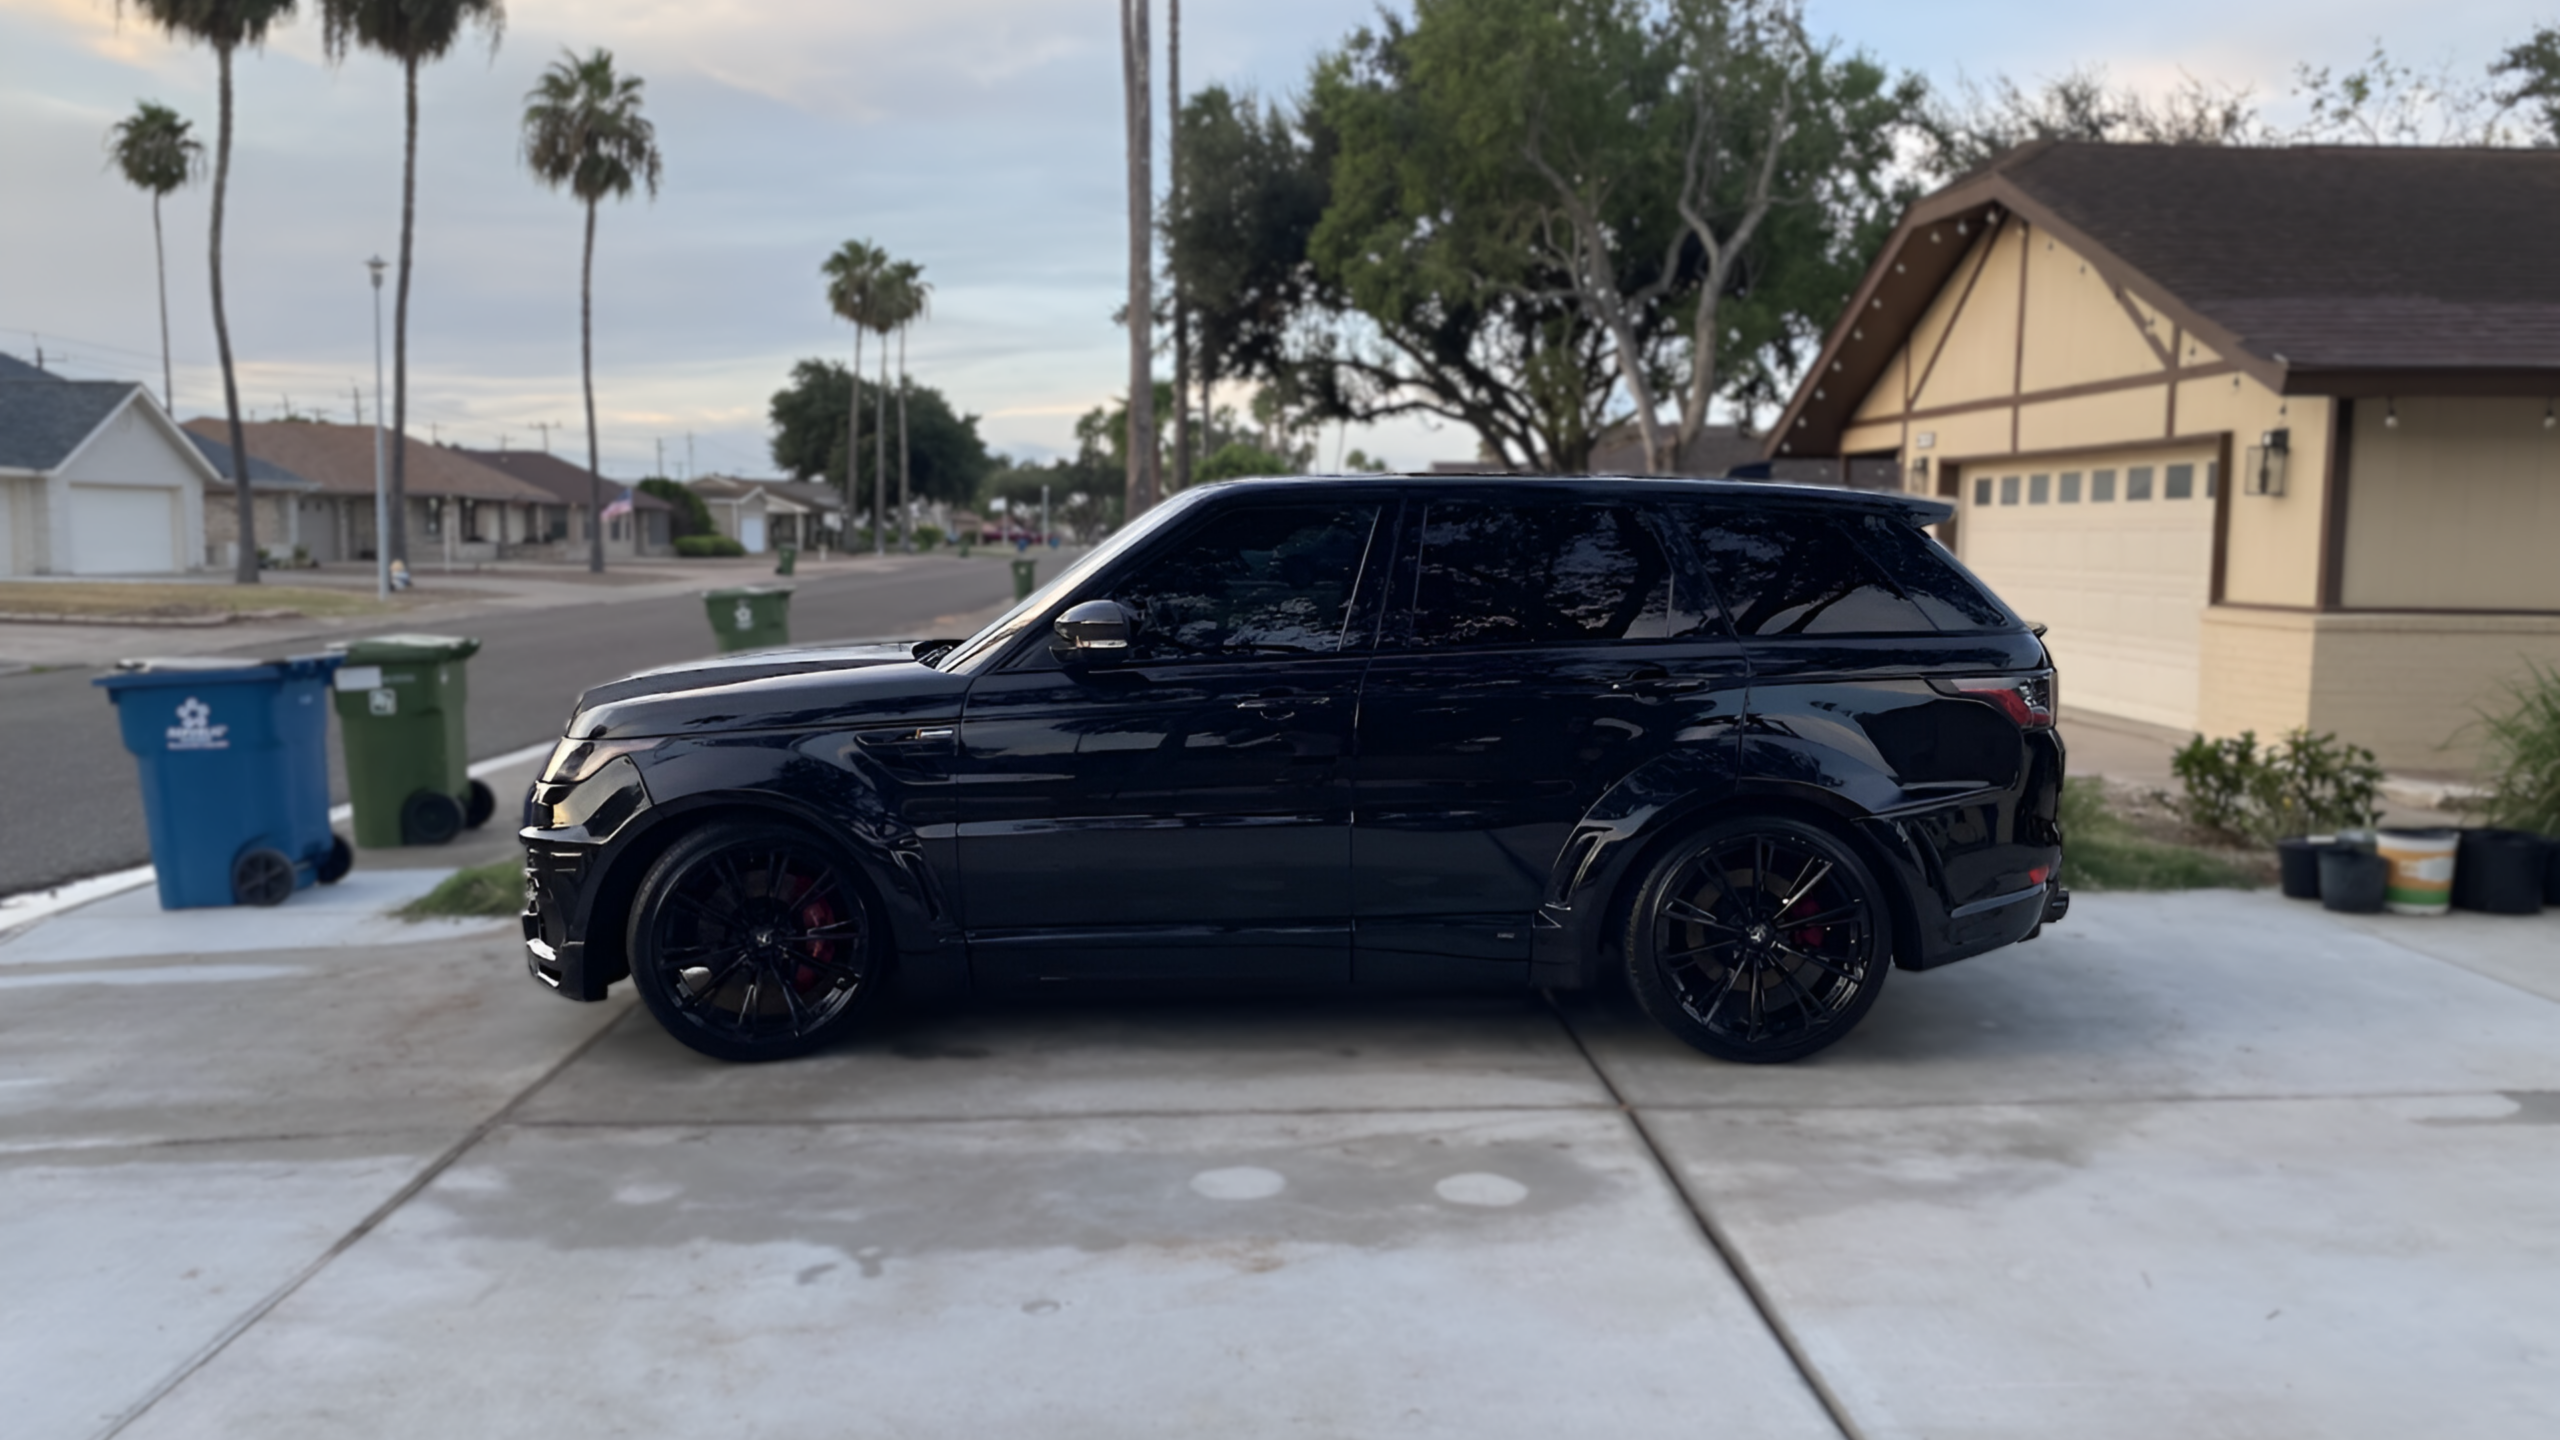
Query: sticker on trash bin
[(359, 677), (382, 702), (746, 616), (195, 729)]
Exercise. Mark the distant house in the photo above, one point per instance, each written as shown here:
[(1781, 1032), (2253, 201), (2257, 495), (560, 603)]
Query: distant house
[(277, 496), (647, 528), (458, 509), (95, 479), (1718, 450), (761, 514)]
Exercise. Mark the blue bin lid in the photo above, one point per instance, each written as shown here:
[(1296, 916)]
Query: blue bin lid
[(145, 674)]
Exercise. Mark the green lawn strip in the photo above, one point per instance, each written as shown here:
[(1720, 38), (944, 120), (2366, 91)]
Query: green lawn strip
[(74, 599), (483, 890), (2103, 851)]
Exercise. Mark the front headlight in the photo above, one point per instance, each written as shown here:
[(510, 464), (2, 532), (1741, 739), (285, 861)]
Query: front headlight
[(598, 803), (574, 760)]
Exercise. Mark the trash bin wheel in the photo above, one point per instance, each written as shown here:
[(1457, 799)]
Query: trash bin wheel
[(430, 817), (334, 866), (477, 810), (262, 876)]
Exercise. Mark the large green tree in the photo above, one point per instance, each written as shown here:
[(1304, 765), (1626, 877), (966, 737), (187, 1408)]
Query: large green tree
[(858, 276), (813, 436), (154, 152), (1248, 192), (584, 132), (225, 26), (411, 33)]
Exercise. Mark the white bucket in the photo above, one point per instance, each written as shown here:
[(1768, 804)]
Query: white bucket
[(2421, 869)]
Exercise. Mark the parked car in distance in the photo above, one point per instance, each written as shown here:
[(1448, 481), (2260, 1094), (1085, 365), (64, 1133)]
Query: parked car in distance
[(1749, 746)]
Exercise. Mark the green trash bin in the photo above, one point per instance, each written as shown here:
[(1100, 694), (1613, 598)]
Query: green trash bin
[(400, 715), (750, 617), (1026, 578), (786, 559)]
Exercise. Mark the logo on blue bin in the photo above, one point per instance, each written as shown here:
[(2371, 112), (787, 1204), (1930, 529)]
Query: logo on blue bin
[(195, 729)]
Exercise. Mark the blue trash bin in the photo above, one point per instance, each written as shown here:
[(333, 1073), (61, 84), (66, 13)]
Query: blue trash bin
[(235, 775)]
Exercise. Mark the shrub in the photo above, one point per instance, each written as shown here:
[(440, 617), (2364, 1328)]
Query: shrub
[(691, 516), (493, 889), (2309, 783), (2520, 759), (928, 537), (705, 546), (2101, 850)]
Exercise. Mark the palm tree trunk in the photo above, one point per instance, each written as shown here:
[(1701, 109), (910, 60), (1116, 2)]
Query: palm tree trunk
[(587, 370), (880, 456), (906, 520), (160, 255), (853, 442), (1173, 206), (1138, 96), (245, 565), (400, 330)]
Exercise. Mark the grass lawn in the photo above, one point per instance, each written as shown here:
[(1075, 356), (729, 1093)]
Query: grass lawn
[(493, 889), (73, 599), (2103, 849)]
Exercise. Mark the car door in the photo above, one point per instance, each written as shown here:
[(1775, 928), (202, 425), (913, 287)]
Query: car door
[(1538, 651), (1185, 813)]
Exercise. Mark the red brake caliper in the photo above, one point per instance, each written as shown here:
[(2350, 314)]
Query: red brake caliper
[(817, 914)]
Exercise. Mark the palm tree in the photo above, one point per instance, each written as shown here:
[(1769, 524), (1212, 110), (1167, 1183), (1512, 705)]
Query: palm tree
[(583, 131), (411, 32), (226, 25), (907, 299), (854, 277), (153, 149)]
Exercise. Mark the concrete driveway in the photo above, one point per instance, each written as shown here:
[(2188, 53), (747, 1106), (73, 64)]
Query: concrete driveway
[(2211, 1164)]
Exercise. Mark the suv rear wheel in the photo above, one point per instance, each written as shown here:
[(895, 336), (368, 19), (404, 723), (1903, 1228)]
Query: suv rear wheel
[(753, 942), (1759, 939)]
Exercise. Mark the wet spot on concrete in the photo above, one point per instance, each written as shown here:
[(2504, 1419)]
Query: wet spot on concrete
[(1041, 1307), (1478, 1188), (1239, 1182), (644, 1192), (2533, 1107), (810, 1275), (869, 1257)]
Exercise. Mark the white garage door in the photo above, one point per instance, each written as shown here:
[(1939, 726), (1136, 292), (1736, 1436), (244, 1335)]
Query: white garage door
[(123, 530), (2116, 555), (751, 533)]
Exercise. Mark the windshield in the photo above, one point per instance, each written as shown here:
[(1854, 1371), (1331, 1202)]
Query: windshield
[(979, 648)]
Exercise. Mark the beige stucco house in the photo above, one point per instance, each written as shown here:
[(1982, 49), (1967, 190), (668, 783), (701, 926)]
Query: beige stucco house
[(2266, 436)]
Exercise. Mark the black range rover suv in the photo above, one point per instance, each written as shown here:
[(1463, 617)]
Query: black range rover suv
[(1751, 746)]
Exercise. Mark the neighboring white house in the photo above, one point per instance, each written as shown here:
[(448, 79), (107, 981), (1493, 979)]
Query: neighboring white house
[(95, 479)]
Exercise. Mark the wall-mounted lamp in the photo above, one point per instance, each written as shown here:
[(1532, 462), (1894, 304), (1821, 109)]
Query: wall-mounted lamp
[(2390, 413), (2266, 463), (1920, 474), (2549, 420)]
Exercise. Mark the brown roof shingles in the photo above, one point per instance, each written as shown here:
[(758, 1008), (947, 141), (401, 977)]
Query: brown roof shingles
[(340, 459), (566, 483)]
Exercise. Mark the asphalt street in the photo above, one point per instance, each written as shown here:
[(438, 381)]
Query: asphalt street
[(68, 790)]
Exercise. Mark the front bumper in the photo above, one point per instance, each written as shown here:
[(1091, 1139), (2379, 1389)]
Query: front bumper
[(555, 883)]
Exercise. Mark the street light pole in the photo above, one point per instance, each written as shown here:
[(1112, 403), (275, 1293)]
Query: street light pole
[(381, 453)]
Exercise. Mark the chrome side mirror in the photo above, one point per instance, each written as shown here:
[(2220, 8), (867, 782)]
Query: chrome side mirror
[(1092, 632)]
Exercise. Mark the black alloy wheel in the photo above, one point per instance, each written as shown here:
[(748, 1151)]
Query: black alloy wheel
[(262, 876), (753, 942), (1759, 940)]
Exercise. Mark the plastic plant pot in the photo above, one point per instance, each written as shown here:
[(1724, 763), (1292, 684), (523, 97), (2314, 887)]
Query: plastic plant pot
[(2353, 881), (2298, 861), (2422, 869), (2500, 872)]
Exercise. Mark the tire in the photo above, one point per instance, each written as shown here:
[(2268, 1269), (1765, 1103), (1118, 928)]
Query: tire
[(1721, 953), (333, 867), (430, 817), (477, 810), (753, 941), (262, 876)]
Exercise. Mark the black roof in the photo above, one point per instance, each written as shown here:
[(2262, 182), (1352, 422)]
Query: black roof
[(13, 368), (1917, 509), (42, 421), (261, 471)]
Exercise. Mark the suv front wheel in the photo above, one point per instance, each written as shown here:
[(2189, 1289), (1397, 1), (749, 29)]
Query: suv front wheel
[(1759, 939)]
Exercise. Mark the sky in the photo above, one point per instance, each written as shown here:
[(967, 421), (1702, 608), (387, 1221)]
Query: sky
[(980, 138)]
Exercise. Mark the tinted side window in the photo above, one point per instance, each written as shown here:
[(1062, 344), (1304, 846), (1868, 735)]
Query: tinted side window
[(1495, 574), (1261, 578), (1782, 572), (1929, 577)]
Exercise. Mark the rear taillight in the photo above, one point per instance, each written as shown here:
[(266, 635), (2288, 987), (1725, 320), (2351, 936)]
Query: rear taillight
[(2026, 699)]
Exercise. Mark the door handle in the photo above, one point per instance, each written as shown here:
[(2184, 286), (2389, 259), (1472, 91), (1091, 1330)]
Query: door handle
[(1654, 680), (1284, 702)]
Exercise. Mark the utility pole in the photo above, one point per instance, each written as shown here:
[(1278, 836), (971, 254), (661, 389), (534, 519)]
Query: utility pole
[(688, 457), (662, 455), (1173, 209), (381, 455), (546, 427), (357, 391)]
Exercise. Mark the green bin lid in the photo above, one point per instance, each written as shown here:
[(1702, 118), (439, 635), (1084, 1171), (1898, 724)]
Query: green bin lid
[(410, 649), (741, 592)]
